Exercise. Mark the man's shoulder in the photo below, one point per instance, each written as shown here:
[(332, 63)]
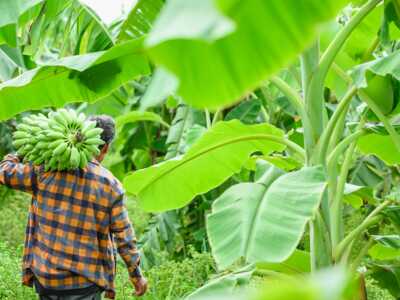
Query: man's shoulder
[(107, 178)]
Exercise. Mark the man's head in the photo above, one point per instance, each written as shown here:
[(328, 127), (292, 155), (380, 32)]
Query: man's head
[(108, 125)]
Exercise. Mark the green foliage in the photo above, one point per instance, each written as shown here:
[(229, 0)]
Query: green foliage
[(173, 280), (138, 116), (226, 141), (222, 30), (10, 278), (169, 280), (189, 273), (207, 54), (377, 293), (13, 217), (6, 140), (380, 145), (270, 224), (11, 11), (87, 77), (140, 19), (247, 111)]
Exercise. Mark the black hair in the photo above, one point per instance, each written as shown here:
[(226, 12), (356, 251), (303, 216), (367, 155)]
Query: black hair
[(107, 124)]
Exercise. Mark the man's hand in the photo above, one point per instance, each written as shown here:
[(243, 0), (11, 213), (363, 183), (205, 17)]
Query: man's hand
[(140, 286)]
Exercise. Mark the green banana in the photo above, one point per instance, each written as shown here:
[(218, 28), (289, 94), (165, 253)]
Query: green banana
[(21, 135), (75, 158), (55, 144), (20, 142), (60, 148), (83, 160), (94, 141), (93, 133), (64, 140)]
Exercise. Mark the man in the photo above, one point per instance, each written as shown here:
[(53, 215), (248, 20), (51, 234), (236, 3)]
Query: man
[(75, 218)]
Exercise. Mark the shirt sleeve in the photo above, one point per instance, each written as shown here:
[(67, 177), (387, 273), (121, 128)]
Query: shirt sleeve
[(125, 239), (17, 175)]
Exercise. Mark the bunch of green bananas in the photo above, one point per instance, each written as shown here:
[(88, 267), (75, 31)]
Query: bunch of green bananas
[(62, 141)]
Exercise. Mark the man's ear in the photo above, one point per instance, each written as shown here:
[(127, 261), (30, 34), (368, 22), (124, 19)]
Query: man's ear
[(105, 149), (103, 152)]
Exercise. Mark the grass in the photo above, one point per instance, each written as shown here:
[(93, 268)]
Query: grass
[(169, 280)]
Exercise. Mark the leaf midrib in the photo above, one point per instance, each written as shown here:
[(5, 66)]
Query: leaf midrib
[(271, 137)]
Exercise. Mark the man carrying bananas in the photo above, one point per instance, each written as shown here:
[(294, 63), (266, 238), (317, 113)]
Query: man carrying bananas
[(75, 218)]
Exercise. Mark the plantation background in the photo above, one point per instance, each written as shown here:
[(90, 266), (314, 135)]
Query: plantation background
[(258, 141)]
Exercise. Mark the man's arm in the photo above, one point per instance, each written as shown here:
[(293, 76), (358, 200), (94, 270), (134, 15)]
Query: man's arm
[(124, 236), (17, 175)]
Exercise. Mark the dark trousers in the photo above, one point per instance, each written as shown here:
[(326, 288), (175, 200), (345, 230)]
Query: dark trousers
[(90, 293), (89, 296)]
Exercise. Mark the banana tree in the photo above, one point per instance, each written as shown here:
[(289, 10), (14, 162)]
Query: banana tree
[(264, 221)]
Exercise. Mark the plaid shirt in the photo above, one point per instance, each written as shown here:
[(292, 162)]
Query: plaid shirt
[(74, 219)]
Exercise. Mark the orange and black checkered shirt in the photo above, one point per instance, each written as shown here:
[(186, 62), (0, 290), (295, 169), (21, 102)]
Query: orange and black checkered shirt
[(75, 218)]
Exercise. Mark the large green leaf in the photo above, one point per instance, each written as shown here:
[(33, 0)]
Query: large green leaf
[(388, 65), (162, 85), (388, 277), (93, 34), (374, 79), (226, 45), (215, 157), (332, 284), (86, 77), (231, 226), (387, 248), (140, 19), (380, 145), (299, 262), (356, 195), (229, 285), (181, 122), (247, 111), (64, 28), (110, 105), (10, 12), (264, 221), (139, 116), (10, 62)]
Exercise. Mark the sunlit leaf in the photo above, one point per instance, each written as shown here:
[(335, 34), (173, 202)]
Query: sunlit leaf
[(10, 12), (162, 85), (388, 65), (331, 284), (387, 248), (298, 262), (380, 145), (233, 226), (356, 195), (139, 116), (216, 156), (264, 221), (223, 41), (140, 19), (228, 285), (73, 79)]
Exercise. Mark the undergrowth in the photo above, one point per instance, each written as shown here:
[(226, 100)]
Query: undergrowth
[(168, 281)]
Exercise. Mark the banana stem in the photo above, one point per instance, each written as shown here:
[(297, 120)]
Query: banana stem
[(372, 219), (336, 205), (341, 108)]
